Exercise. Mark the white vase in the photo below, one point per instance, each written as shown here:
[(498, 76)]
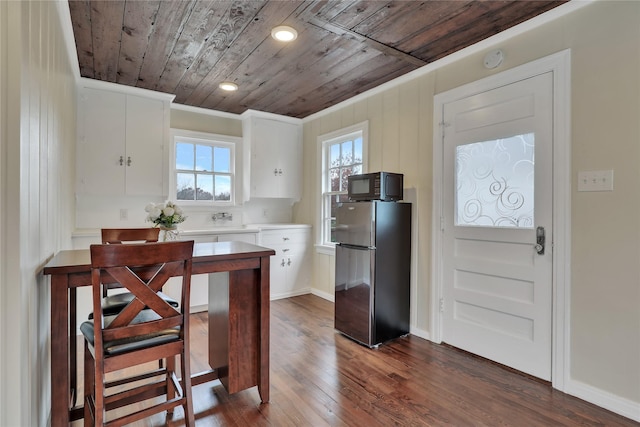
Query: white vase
[(168, 233)]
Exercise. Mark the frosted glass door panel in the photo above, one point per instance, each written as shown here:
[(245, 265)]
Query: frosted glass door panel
[(494, 183)]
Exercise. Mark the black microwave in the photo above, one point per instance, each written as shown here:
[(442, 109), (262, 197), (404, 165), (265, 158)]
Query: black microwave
[(385, 186)]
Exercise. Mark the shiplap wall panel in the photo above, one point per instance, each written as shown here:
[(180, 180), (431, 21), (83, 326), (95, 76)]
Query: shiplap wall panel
[(40, 131), (408, 131), (391, 144), (376, 129)]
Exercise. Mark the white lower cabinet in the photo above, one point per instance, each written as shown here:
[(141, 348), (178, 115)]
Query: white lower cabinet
[(291, 265)]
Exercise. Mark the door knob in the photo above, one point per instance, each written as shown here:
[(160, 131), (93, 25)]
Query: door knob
[(540, 240)]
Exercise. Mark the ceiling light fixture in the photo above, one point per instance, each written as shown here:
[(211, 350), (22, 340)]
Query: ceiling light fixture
[(284, 33), (228, 86)]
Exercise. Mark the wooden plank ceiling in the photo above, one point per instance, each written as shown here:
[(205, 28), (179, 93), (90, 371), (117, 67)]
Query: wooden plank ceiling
[(344, 47)]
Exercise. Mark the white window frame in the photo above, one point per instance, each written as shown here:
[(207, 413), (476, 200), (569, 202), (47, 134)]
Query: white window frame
[(203, 138), (323, 238)]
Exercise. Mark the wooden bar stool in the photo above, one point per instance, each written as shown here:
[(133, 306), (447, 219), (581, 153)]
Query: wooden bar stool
[(147, 329), (114, 302)]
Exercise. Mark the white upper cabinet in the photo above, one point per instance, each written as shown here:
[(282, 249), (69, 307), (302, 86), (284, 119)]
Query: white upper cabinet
[(273, 157), (121, 144)]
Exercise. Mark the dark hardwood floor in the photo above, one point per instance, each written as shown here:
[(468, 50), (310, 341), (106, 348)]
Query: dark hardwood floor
[(321, 378)]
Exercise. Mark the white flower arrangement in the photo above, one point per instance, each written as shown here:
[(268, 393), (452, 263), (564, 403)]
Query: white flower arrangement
[(164, 215)]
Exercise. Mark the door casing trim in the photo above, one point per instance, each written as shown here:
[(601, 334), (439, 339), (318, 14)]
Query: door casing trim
[(560, 65)]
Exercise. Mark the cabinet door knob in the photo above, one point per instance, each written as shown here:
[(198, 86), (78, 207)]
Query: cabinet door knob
[(285, 250), (129, 161), (285, 238), (279, 171), (121, 160), (289, 261), (275, 172), (282, 263)]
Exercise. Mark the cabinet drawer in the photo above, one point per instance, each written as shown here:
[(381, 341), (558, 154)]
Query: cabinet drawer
[(284, 250), (285, 237)]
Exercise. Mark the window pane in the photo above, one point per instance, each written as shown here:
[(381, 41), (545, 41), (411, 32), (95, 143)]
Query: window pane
[(344, 178), (334, 179), (221, 159), (344, 157), (494, 183), (347, 153), (184, 156), (204, 158), (205, 187), (334, 155), (223, 188), (185, 184), (357, 151)]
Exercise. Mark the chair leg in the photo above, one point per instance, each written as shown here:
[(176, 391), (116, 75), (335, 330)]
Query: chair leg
[(170, 370), (185, 363), (89, 385), (99, 408)]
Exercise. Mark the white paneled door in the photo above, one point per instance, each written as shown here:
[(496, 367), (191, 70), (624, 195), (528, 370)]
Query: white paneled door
[(497, 221)]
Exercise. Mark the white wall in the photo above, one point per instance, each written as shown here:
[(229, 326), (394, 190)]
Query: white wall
[(604, 38), (37, 116)]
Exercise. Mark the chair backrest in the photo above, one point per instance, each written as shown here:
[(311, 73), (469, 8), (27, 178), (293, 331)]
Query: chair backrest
[(142, 268), (127, 235), (119, 235)]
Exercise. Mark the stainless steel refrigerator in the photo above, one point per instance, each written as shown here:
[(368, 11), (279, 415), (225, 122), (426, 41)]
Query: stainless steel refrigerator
[(373, 269)]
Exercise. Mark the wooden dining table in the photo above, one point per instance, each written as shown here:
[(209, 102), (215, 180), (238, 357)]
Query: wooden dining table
[(238, 312)]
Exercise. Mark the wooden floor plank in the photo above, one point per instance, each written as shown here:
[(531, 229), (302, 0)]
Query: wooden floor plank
[(321, 378)]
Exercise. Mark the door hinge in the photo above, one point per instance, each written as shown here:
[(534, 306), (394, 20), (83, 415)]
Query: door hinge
[(441, 305), (443, 126)]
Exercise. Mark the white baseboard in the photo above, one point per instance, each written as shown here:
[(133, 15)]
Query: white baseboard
[(420, 333), (290, 294), (198, 308), (619, 405), (323, 295)]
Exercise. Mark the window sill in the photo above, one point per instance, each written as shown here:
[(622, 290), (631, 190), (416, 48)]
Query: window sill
[(326, 249)]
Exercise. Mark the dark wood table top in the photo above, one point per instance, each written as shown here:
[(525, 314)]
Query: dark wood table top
[(79, 260)]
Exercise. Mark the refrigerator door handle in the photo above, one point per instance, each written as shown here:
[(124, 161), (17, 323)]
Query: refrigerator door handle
[(356, 247)]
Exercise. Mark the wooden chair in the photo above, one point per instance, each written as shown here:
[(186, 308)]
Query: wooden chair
[(127, 235), (113, 303), (122, 235), (147, 329)]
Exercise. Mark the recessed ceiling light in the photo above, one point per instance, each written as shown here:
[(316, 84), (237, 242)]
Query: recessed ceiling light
[(284, 33), (228, 86)]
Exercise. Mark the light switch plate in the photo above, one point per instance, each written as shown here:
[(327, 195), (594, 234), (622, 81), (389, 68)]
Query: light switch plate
[(595, 180)]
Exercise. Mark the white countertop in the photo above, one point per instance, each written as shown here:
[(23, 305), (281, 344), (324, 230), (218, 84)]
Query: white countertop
[(277, 226), (249, 228)]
